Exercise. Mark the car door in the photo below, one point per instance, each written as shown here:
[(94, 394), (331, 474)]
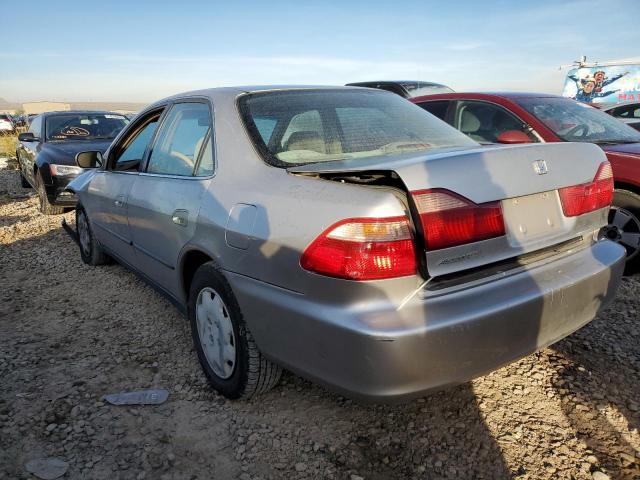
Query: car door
[(110, 188), (164, 202), (29, 150)]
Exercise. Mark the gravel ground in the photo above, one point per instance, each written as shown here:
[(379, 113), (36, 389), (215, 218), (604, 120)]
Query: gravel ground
[(70, 334)]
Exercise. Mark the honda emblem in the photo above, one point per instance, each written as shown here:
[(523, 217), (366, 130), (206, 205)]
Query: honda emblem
[(540, 166)]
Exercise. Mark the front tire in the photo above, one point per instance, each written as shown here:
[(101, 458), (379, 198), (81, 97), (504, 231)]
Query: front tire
[(225, 347), (624, 226), (24, 183), (90, 250), (46, 207)]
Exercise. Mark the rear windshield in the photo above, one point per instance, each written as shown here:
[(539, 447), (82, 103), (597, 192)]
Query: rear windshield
[(85, 126), (311, 126), (418, 89)]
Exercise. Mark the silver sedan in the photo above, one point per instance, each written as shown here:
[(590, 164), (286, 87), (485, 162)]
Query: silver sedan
[(349, 236)]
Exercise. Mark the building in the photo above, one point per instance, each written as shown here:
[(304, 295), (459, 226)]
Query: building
[(119, 107)]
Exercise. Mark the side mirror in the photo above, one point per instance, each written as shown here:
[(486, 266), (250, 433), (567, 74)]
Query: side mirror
[(513, 136), (27, 137), (89, 159)]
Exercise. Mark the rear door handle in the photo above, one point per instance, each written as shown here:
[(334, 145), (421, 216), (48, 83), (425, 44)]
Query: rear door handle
[(119, 202), (180, 217)]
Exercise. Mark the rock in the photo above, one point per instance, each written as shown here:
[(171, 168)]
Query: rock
[(355, 477), (47, 468), (300, 467), (598, 475), (142, 397)]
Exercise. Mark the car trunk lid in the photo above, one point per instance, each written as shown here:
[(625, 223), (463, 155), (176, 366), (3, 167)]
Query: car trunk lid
[(522, 180)]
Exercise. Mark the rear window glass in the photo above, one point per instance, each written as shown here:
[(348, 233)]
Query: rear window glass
[(310, 126)]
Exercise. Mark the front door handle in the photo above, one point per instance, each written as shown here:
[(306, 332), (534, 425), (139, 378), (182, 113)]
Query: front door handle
[(119, 202), (180, 217)]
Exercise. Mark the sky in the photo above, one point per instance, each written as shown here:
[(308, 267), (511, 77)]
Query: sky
[(145, 50)]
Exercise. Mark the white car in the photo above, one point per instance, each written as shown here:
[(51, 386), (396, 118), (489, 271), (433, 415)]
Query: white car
[(6, 123)]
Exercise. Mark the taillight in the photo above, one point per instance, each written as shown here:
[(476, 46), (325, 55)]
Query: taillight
[(449, 219), (363, 249), (588, 197)]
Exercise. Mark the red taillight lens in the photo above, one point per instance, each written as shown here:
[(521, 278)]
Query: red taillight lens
[(363, 249), (588, 197), (449, 219)]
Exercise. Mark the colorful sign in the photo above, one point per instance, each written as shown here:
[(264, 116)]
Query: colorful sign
[(603, 84)]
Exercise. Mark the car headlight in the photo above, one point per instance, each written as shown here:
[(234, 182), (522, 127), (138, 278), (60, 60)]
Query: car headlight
[(64, 170)]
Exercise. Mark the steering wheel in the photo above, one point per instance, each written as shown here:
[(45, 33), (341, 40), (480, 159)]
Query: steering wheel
[(578, 128)]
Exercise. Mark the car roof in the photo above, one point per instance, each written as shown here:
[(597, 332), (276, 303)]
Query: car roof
[(484, 95), (606, 107), (232, 92), (398, 82)]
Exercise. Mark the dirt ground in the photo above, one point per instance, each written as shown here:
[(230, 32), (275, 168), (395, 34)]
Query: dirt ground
[(69, 334)]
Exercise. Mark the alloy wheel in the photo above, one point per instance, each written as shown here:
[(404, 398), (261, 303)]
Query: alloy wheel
[(624, 228)]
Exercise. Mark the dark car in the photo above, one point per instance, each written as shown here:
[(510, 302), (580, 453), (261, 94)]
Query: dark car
[(529, 118), (46, 152), (628, 112), (405, 88)]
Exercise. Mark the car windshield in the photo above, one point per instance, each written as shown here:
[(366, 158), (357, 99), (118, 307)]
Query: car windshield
[(311, 126), (418, 89), (578, 122), (84, 126)]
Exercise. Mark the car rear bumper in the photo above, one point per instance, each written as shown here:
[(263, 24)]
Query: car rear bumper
[(382, 352)]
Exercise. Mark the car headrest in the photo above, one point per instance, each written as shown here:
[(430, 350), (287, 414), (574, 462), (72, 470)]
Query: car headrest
[(306, 140), (469, 123)]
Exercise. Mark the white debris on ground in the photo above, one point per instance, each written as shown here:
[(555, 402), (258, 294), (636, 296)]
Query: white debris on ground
[(71, 334)]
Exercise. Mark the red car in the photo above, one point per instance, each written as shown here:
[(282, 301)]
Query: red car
[(529, 118)]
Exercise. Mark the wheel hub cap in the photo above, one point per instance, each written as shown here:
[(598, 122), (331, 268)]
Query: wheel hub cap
[(215, 331)]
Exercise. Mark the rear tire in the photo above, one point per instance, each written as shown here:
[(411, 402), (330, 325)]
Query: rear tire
[(225, 347), (45, 207), (90, 250), (624, 226)]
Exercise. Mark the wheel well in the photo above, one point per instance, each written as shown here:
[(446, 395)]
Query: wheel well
[(191, 262), (627, 186)]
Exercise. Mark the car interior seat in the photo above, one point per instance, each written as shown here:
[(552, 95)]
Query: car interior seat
[(469, 124), (306, 140)]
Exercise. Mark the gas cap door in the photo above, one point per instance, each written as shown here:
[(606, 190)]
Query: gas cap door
[(240, 223)]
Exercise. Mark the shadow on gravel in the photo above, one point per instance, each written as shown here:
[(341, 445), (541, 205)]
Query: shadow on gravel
[(440, 436), (10, 220), (597, 373)]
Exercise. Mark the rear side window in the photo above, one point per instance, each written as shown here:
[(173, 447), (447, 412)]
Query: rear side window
[(439, 108), (180, 140), (205, 165), (629, 111), (484, 121), (323, 125)]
